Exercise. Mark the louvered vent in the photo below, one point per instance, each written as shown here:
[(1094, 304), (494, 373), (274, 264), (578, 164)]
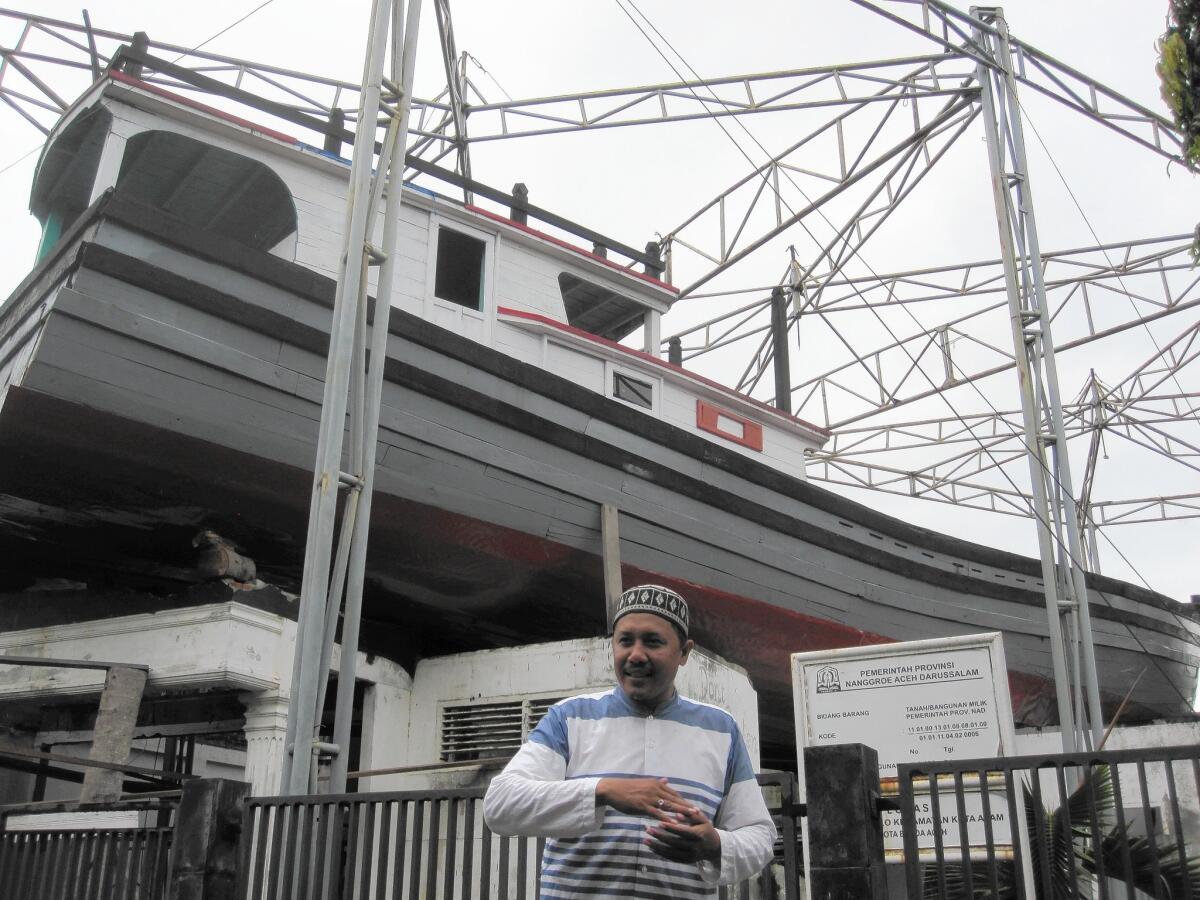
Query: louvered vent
[(483, 730)]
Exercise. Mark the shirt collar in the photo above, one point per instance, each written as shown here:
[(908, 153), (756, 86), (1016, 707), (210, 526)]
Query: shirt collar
[(637, 710)]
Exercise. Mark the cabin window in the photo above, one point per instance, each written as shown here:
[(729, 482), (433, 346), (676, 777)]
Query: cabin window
[(632, 390), (66, 175), (598, 309), (458, 277), (483, 730), (209, 187)]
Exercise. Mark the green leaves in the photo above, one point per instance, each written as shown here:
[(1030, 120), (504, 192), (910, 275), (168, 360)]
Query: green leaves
[(1179, 71)]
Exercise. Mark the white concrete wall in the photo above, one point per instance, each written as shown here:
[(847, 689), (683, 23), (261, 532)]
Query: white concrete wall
[(560, 669), (220, 646)]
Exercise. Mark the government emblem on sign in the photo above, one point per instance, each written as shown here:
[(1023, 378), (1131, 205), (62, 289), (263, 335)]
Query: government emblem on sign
[(828, 680)]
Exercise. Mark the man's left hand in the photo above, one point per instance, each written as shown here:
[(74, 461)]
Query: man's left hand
[(690, 838)]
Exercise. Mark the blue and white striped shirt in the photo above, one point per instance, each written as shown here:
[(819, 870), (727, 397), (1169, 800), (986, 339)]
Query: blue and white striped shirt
[(549, 790)]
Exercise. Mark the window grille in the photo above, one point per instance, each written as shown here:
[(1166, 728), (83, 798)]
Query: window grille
[(483, 730), (632, 390)]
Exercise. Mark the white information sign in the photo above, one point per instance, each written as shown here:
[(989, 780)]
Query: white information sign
[(916, 701)]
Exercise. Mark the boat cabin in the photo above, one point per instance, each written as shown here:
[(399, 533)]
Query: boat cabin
[(483, 275)]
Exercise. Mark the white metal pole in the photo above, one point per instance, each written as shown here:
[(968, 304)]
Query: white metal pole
[(404, 65), (1065, 487), (327, 475), (1023, 323)]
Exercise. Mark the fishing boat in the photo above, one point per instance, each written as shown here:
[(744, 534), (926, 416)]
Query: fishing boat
[(161, 376)]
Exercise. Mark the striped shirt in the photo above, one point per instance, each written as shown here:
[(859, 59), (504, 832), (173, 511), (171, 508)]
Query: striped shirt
[(549, 790)]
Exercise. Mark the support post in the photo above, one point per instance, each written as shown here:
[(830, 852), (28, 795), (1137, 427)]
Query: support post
[(140, 47), (519, 210), (333, 137), (779, 330), (845, 833), (456, 90), (204, 849), (654, 252), (1054, 504), (610, 543), (675, 352), (353, 386), (652, 333), (266, 740), (113, 734)]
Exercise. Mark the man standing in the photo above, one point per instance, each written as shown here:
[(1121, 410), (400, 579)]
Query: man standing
[(644, 792)]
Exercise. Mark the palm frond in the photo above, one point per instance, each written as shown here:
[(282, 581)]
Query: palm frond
[(1065, 856)]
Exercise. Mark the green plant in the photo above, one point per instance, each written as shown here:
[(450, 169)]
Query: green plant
[(1179, 71)]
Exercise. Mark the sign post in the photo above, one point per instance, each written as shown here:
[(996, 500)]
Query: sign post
[(913, 701)]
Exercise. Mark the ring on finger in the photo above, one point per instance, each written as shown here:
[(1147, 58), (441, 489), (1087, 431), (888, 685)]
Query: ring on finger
[(659, 804)]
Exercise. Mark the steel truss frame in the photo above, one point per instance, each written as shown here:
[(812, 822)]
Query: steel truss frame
[(886, 124), (1053, 494)]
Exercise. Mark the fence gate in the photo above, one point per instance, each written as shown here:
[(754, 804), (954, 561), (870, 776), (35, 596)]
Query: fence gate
[(1121, 824)]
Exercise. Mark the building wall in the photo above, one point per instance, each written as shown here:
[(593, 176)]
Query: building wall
[(555, 670), (227, 647)]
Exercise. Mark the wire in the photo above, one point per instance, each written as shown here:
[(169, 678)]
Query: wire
[(855, 251), (265, 3), (24, 156), (480, 67), (1048, 472), (1145, 326), (1095, 237), (718, 122)]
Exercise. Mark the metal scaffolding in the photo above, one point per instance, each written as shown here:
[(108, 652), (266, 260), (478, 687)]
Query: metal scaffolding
[(354, 385), (911, 400)]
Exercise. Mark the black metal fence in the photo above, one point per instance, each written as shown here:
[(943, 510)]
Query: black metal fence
[(432, 845), (103, 863), (1119, 824)]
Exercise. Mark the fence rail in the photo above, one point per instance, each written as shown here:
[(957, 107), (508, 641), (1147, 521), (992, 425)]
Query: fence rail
[(103, 863), (1112, 824), (432, 845)]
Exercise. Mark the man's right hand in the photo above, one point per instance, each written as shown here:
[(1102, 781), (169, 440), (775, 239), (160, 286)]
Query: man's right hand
[(643, 797)]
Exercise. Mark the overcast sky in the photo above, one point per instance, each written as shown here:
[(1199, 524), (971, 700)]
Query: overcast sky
[(632, 183)]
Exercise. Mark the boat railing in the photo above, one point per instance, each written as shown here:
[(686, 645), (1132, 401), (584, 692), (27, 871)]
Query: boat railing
[(133, 62)]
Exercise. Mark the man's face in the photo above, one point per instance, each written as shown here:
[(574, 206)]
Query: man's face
[(646, 655)]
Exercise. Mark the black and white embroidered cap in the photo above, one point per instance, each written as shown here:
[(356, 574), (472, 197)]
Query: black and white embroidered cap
[(660, 601)]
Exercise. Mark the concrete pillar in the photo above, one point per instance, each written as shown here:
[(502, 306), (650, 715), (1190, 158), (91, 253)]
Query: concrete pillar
[(266, 734), (17, 787), (204, 849), (845, 835), (385, 720), (113, 734)]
